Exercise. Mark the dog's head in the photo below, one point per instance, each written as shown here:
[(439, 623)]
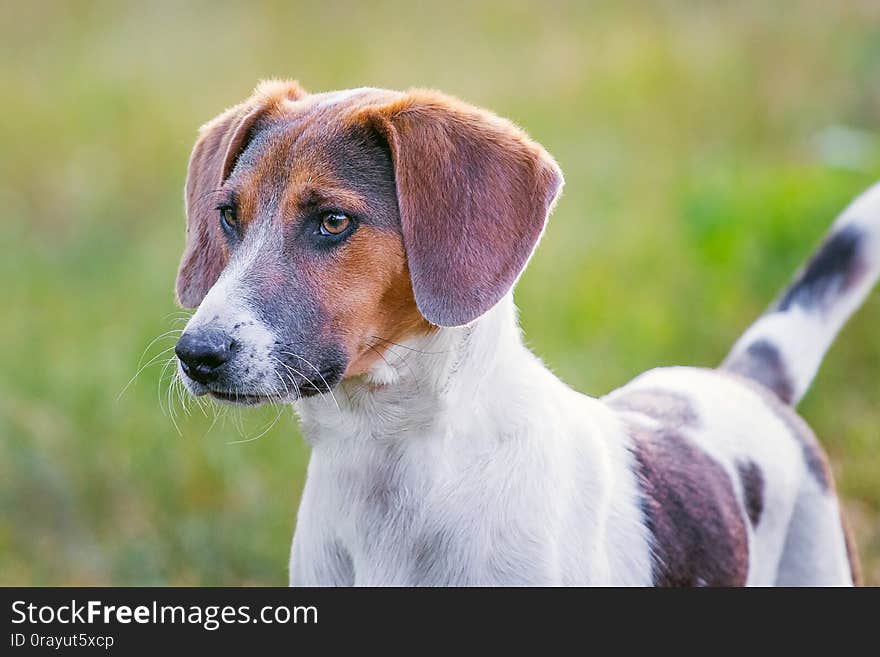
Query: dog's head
[(321, 227)]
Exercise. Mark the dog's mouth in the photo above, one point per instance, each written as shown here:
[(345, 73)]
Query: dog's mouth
[(323, 383), (244, 398)]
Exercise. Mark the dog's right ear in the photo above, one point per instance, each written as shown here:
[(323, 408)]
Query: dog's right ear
[(221, 142)]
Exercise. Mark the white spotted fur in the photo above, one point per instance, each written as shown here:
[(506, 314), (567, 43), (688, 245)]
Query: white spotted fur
[(479, 444)]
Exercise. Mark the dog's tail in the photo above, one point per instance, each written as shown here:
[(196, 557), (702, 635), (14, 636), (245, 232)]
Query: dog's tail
[(784, 348)]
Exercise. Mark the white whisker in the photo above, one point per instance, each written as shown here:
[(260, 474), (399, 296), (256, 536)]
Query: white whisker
[(326, 385), (262, 433), (141, 368)]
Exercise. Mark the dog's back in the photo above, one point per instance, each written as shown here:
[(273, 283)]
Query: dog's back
[(736, 489), (728, 468)]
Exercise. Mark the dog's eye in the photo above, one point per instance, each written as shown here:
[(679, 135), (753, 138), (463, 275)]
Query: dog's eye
[(228, 220), (335, 223)]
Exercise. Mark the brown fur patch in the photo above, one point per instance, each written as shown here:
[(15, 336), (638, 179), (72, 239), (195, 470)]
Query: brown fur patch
[(691, 510), (369, 298), (752, 481)]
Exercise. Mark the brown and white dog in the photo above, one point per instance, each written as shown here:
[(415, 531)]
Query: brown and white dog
[(354, 253)]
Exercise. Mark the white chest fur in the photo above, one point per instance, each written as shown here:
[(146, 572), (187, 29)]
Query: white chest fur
[(469, 463)]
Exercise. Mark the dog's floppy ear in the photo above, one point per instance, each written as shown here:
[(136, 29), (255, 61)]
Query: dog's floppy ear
[(220, 143), (474, 193)]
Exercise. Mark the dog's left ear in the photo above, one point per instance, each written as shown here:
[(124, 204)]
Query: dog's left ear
[(218, 148), (474, 193)]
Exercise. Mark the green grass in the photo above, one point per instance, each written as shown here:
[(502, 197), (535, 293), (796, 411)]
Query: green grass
[(697, 181)]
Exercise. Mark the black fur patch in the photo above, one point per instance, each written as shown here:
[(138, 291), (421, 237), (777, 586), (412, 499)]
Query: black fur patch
[(834, 268), (691, 510), (813, 454), (752, 480), (763, 363)]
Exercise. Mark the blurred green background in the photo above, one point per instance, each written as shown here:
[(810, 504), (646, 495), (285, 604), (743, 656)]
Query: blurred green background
[(706, 151)]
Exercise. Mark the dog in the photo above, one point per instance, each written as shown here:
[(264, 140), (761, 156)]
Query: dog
[(354, 253)]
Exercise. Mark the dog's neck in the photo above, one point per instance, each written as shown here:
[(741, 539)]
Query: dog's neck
[(425, 384)]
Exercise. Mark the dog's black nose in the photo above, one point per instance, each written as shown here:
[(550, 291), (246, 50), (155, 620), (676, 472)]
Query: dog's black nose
[(203, 353)]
